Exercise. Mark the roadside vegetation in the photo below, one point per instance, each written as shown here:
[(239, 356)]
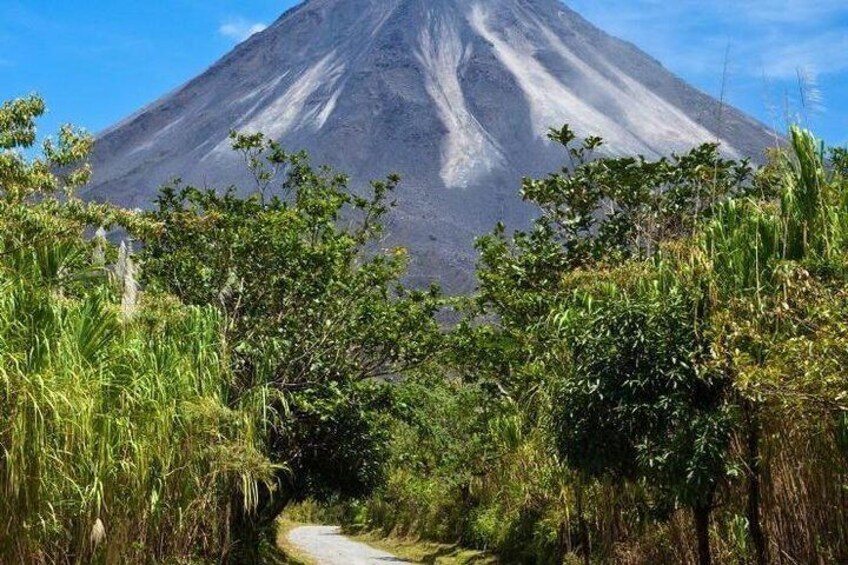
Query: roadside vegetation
[(165, 406), (653, 373)]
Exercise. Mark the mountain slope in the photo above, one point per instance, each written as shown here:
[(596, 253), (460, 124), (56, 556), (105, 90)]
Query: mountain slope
[(455, 95)]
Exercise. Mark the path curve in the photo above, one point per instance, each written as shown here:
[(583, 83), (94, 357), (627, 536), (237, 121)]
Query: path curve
[(327, 546)]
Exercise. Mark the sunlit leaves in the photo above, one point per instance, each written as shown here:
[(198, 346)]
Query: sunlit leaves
[(61, 166)]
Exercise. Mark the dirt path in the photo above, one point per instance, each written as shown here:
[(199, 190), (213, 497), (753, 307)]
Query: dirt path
[(327, 546)]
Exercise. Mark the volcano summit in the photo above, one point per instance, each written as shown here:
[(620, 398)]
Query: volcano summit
[(454, 95)]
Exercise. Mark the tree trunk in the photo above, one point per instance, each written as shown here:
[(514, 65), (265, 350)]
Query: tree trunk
[(702, 532), (752, 462), (224, 527), (562, 543), (585, 542), (245, 535), (249, 528)]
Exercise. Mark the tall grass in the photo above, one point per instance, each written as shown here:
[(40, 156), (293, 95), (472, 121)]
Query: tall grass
[(778, 272), (115, 442)]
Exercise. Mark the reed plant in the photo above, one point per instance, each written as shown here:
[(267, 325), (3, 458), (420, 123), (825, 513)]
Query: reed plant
[(115, 441)]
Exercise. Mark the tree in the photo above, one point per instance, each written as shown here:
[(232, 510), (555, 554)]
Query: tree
[(21, 178), (37, 195), (313, 316), (635, 402), (614, 208), (597, 211), (602, 217)]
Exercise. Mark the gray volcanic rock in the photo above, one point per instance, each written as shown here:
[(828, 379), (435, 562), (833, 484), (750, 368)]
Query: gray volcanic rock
[(454, 95)]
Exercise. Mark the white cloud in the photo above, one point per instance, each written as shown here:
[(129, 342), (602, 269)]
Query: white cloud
[(796, 12), (771, 37), (775, 59), (820, 52), (240, 29)]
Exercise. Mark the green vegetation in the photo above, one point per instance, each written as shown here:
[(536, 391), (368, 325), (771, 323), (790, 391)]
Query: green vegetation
[(652, 374), (664, 380), (311, 322), (169, 411), (114, 432)]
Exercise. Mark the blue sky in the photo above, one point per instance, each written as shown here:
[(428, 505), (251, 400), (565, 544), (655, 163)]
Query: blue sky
[(98, 61)]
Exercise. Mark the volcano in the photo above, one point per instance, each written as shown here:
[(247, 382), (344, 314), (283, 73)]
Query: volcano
[(456, 96)]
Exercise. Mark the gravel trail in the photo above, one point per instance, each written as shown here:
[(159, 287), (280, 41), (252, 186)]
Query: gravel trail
[(327, 546)]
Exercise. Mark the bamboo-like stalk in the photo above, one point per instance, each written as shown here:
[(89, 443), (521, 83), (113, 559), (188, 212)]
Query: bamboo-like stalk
[(115, 440)]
